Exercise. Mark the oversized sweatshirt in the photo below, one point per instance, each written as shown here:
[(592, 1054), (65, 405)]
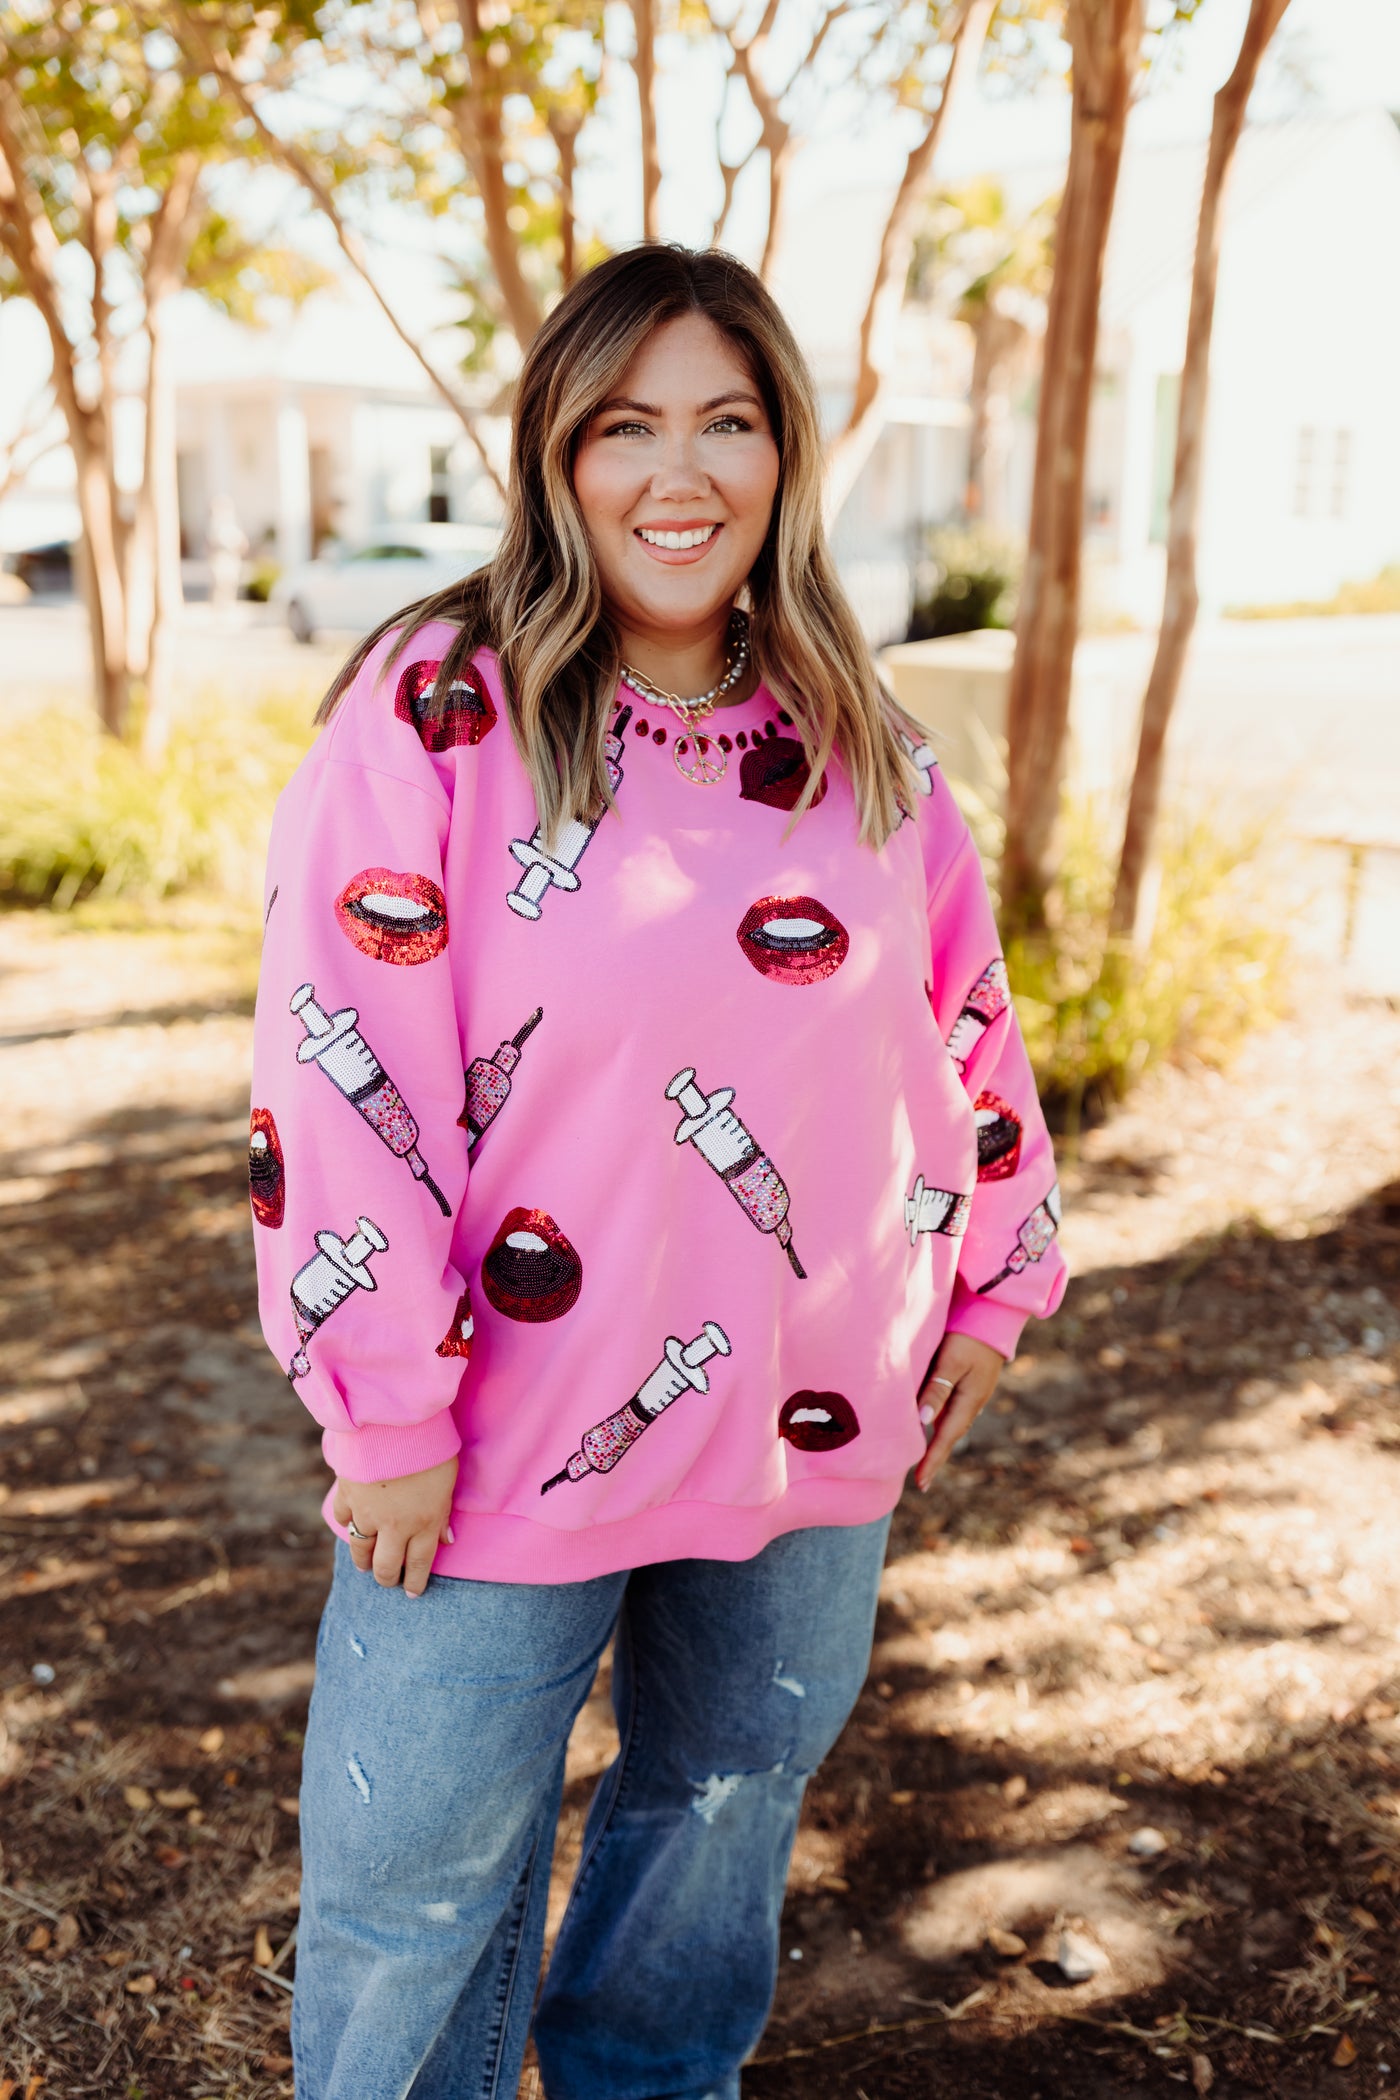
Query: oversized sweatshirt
[(644, 1169)]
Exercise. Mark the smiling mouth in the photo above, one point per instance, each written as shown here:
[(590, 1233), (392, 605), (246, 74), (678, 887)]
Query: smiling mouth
[(395, 918), (677, 539), (818, 1421), (793, 940)]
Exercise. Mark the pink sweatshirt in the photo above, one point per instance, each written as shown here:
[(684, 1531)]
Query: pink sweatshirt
[(645, 1175)]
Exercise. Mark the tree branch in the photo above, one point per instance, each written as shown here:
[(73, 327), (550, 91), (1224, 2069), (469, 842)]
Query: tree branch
[(290, 156), (477, 120), (644, 65)]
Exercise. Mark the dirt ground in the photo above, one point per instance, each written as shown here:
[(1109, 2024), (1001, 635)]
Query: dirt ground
[(1135, 1674)]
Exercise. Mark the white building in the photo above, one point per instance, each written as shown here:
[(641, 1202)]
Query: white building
[(323, 427)]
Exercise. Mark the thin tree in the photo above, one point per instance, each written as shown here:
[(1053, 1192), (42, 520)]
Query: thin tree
[(1180, 598), (853, 444), (1105, 38)]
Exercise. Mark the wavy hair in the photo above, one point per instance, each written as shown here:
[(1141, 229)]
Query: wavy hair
[(539, 603)]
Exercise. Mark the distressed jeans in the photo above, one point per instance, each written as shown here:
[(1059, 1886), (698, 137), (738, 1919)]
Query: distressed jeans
[(433, 1770)]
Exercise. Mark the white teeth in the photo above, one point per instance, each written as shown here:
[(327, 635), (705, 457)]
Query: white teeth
[(675, 541), (527, 1243), (793, 929), (385, 905)]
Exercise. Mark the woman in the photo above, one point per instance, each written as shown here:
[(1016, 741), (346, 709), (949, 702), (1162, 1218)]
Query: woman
[(638, 1109)]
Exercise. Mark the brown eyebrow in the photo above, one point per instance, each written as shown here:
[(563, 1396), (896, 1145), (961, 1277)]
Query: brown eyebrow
[(646, 408)]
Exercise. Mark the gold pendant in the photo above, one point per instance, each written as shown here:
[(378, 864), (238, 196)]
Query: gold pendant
[(700, 758)]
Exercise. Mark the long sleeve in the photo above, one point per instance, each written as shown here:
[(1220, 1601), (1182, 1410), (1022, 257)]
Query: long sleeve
[(358, 1166), (1010, 1267)]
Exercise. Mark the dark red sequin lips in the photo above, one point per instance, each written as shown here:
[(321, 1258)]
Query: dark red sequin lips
[(458, 1339), (998, 1137), (774, 770), (267, 1179), (394, 918), (793, 940), (818, 1421), (464, 715), (530, 1271)]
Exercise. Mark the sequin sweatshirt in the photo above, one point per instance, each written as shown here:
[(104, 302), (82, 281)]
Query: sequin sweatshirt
[(643, 1170)]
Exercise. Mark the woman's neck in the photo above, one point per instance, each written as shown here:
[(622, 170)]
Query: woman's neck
[(687, 664)]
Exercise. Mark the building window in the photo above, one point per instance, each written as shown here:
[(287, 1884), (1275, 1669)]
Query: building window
[(1341, 472), (439, 485), (1303, 471)]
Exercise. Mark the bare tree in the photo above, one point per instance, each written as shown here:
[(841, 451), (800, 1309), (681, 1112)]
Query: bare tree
[(1105, 38), (854, 443), (1180, 599), (34, 437), (644, 66)]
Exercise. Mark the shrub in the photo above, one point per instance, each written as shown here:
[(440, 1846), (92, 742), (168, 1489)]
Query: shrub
[(1376, 594), (968, 579), (1097, 1012), (82, 814)]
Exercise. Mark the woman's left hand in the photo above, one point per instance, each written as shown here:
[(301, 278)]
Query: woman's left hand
[(959, 1385)]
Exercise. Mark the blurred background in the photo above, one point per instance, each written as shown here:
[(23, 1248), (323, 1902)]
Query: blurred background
[(1101, 301)]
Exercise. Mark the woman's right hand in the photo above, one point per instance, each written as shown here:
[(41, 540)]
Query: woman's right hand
[(404, 1522)]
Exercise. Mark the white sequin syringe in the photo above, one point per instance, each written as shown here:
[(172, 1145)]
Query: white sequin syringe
[(338, 1267), (334, 1042), (935, 1210), (679, 1371), (544, 867), (732, 1150)]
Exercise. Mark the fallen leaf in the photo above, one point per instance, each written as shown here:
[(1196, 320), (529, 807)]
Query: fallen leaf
[(176, 1797), (276, 2063), (195, 1816), (8, 2088), (232, 1776), (38, 1939), (1009, 1945), (136, 1797), (171, 1855), (1364, 1919), (1202, 2072), (141, 1986), (211, 1740), (1015, 1788), (262, 1948), (67, 1936), (903, 1797), (836, 1882), (36, 2079), (290, 1804), (114, 1958), (1344, 2053)]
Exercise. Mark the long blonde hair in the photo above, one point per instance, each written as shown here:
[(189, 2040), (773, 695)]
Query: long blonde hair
[(539, 603)]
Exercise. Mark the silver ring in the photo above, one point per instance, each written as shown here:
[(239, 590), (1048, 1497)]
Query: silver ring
[(943, 1381), (355, 1532)]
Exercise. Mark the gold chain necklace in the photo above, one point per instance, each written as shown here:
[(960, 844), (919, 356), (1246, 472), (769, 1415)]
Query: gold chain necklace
[(699, 759)]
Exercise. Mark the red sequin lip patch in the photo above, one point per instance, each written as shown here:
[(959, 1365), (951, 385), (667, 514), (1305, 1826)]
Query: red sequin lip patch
[(394, 918), (793, 940), (818, 1421), (464, 716), (774, 770), (267, 1178), (998, 1137), (458, 1339), (531, 1272)]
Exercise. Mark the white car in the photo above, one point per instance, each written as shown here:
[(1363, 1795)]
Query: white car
[(357, 587)]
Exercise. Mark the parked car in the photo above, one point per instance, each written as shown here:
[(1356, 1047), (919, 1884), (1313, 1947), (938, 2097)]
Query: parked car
[(43, 569), (357, 587)]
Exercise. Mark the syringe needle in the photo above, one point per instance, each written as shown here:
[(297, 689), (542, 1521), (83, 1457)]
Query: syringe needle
[(556, 1481), (436, 1193), (797, 1268)]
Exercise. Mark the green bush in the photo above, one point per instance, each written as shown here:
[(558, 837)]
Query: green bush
[(1097, 1012), (82, 814), (969, 578)]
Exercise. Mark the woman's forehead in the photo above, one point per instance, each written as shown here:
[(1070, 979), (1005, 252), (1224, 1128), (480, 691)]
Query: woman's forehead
[(686, 357)]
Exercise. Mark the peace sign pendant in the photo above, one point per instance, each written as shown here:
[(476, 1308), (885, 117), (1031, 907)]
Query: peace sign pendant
[(700, 758)]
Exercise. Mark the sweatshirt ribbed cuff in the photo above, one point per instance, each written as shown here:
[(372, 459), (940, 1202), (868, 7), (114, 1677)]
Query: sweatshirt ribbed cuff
[(387, 1451), (986, 1320)]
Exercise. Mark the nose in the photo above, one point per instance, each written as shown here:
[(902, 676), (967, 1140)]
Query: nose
[(678, 473)]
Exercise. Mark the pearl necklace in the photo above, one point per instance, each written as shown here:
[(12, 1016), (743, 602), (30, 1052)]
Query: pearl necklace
[(699, 758)]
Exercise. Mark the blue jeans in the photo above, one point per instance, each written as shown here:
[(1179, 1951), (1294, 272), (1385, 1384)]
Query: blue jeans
[(433, 1772)]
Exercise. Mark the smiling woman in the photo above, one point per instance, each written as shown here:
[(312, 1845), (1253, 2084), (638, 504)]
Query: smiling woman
[(676, 902)]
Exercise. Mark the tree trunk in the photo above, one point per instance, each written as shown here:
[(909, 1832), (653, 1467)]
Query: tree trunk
[(644, 19), (879, 326), (1105, 40), (1180, 598), (477, 115), (100, 580)]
